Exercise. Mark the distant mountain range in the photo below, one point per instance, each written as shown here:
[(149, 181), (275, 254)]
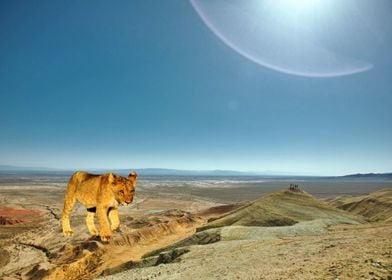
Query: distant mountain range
[(178, 172), (141, 171), (368, 176)]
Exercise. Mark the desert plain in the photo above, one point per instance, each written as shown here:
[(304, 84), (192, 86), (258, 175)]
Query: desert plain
[(202, 228)]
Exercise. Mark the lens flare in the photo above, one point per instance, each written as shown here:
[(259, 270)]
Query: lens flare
[(282, 35)]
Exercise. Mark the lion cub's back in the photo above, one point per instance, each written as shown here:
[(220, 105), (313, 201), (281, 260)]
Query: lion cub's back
[(81, 176), (87, 186)]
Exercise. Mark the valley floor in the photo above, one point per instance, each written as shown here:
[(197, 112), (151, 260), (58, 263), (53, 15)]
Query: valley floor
[(151, 242)]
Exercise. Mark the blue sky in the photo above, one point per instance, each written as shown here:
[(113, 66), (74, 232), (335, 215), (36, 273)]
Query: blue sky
[(86, 84)]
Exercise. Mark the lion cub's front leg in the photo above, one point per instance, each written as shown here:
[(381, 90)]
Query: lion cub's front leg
[(104, 226), (114, 220), (90, 224)]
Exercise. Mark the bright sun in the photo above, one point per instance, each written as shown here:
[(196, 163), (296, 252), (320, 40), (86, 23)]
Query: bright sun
[(301, 6)]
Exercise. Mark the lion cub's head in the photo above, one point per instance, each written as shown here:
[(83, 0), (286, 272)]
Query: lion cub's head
[(123, 188)]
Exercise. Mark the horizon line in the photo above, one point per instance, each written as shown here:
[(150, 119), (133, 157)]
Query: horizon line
[(244, 172)]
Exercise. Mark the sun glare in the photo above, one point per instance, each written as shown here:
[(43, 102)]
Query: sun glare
[(302, 3), (285, 35), (300, 6)]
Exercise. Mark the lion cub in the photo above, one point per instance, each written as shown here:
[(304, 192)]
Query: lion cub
[(98, 193)]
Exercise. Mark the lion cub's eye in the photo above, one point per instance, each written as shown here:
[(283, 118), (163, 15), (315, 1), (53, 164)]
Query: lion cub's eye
[(121, 192)]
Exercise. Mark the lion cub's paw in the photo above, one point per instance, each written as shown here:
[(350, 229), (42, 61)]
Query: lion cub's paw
[(105, 236), (116, 228), (94, 232), (68, 232)]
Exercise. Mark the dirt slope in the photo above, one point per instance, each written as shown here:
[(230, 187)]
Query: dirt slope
[(340, 254), (282, 208), (376, 206), (321, 243)]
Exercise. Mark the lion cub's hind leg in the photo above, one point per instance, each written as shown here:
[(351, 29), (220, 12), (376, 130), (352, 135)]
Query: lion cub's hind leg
[(69, 202), (114, 220), (90, 223), (67, 231)]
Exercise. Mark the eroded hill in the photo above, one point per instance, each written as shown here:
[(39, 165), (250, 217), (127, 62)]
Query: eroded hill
[(376, 206), (282, 208)]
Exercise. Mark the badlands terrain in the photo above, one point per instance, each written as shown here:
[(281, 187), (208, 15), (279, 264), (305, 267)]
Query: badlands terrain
[(203, 228)]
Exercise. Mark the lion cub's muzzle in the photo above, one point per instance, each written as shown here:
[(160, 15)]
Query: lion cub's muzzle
[(127, 202)]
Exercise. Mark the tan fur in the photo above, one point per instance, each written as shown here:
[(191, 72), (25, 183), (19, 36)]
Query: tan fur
[(102, 192)]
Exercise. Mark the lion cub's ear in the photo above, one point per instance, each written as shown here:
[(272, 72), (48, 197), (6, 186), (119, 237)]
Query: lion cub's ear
[(111, 178), (132, 176)]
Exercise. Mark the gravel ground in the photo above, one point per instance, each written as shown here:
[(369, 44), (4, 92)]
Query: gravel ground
[(340, 254)]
